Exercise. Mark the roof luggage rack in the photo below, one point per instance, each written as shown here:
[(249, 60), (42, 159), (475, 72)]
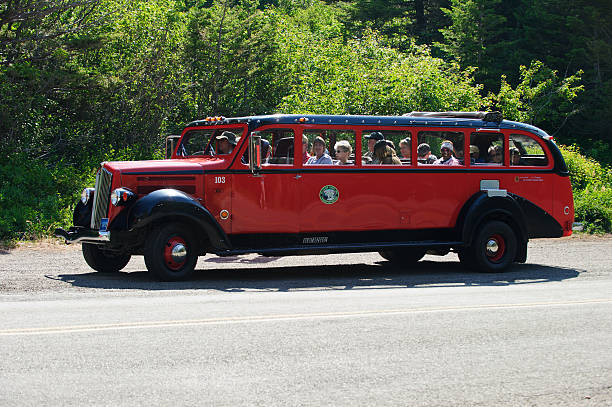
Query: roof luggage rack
[(485, 116)]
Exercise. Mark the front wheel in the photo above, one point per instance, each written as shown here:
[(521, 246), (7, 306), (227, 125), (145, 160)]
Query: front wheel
[(171, 254), (102, 260), (493, 248)]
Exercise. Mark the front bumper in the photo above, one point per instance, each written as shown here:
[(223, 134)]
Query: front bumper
[(577, 227), (78, 234)]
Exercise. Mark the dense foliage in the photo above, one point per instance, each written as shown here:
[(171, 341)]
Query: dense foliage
[(82, 81)]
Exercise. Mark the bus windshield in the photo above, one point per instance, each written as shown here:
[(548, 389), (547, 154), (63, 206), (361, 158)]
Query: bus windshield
[(208, 142)]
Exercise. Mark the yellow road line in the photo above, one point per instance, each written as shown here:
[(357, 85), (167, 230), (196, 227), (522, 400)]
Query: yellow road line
[(277, 317)]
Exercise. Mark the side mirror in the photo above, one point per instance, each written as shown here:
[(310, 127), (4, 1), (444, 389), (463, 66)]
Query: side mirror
[(171, 144), (255, 153)]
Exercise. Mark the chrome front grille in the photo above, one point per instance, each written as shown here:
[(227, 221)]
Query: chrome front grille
[(104, 181)]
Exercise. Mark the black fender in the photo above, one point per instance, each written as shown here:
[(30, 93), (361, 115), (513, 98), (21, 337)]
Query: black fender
[(82, 214), (482, 207), (526, 218), (170, 204)]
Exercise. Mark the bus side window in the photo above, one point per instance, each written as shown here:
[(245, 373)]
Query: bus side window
[(431, 143), (525, 151), (277, 147), (487, 148), (338, 145), (399, 140)]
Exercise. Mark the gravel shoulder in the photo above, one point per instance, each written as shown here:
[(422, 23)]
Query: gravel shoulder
[(50, 269)]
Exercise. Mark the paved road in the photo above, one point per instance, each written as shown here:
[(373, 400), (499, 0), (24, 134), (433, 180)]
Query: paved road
[(312, 330)]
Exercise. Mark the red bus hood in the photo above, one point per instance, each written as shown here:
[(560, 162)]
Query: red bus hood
[(177, 166)]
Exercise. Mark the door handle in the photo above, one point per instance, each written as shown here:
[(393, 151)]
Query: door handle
[(298, 176)]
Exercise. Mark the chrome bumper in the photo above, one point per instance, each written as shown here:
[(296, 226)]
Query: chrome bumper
[(577, 227), (81, 234)]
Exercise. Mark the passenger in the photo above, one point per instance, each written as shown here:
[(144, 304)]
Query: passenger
[(226, 142), (475, 154), (446, 152), (459, 154), (391, 144), (515, 157), (266, 151), (383, 154), (425, 155), (495, 155), (405, 149), (343, 152), (305, 155), (320, 157), (372, 139)]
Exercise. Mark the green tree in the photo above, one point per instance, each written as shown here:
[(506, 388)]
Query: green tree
[(362, 76), (541, 97), (229, 56)]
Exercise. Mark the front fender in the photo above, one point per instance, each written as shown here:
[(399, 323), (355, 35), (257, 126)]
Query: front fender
[(170, 204)]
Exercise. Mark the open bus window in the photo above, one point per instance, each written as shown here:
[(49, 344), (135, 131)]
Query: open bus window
[(487, 148), (327, 146), (399, 140), (441, 148), (277, 147), (526, 151)]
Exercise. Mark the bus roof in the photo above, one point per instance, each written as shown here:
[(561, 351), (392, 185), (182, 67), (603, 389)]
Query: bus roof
[(469, 119)]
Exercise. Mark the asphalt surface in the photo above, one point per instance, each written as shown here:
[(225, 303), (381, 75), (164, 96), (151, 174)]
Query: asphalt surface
[(311, 330)]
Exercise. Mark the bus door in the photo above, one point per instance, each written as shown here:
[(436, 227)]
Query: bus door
[(336, 194), (267, 202)]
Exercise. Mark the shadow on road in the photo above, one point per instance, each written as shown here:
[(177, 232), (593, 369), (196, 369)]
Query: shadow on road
[(337, 277)]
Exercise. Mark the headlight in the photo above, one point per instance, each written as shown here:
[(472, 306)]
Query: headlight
[(121, 196), (86, 195)]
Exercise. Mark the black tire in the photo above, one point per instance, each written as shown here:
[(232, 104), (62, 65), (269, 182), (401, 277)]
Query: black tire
[(170, 253), (403, 255), (102, 260), (493, 248)]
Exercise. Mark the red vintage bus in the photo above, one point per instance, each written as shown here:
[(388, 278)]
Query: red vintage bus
[(303, 184)]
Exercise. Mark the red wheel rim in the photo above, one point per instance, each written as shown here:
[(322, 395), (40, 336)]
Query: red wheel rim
[(495, 247), (175, 253)]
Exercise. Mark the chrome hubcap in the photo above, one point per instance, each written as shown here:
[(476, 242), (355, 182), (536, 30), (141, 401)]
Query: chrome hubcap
[(179, 253), (492, 247)]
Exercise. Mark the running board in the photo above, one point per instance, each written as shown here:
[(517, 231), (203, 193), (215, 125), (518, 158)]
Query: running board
[(338, 248)]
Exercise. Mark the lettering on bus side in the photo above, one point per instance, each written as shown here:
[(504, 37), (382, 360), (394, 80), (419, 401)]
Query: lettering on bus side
[(315, 240)]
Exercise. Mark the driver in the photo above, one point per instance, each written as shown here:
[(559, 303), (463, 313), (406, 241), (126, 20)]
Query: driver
[(226, 142)]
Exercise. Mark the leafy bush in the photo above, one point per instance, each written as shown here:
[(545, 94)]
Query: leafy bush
[(594, 209), (36, 197), (592, 186)]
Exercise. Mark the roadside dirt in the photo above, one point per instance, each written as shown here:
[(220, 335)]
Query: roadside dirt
[(50, 267)]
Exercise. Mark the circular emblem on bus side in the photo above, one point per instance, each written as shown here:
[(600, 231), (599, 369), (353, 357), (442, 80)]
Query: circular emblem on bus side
[(329, 194)]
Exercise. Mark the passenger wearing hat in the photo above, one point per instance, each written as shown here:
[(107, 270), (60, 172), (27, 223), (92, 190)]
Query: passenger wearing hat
[(372, 138), (320, 157), (383, 154), (424, 154), (475, 154), (226, 142), (446, 151)]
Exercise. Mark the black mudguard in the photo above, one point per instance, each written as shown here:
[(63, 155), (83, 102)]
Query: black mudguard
[(82, 214), (171, 204), (526, 218), (481, 206)]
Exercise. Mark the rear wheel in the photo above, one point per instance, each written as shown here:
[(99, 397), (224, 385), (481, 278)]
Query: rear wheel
[(493, 248), (405, 255), (105, 261), (171, 253)]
